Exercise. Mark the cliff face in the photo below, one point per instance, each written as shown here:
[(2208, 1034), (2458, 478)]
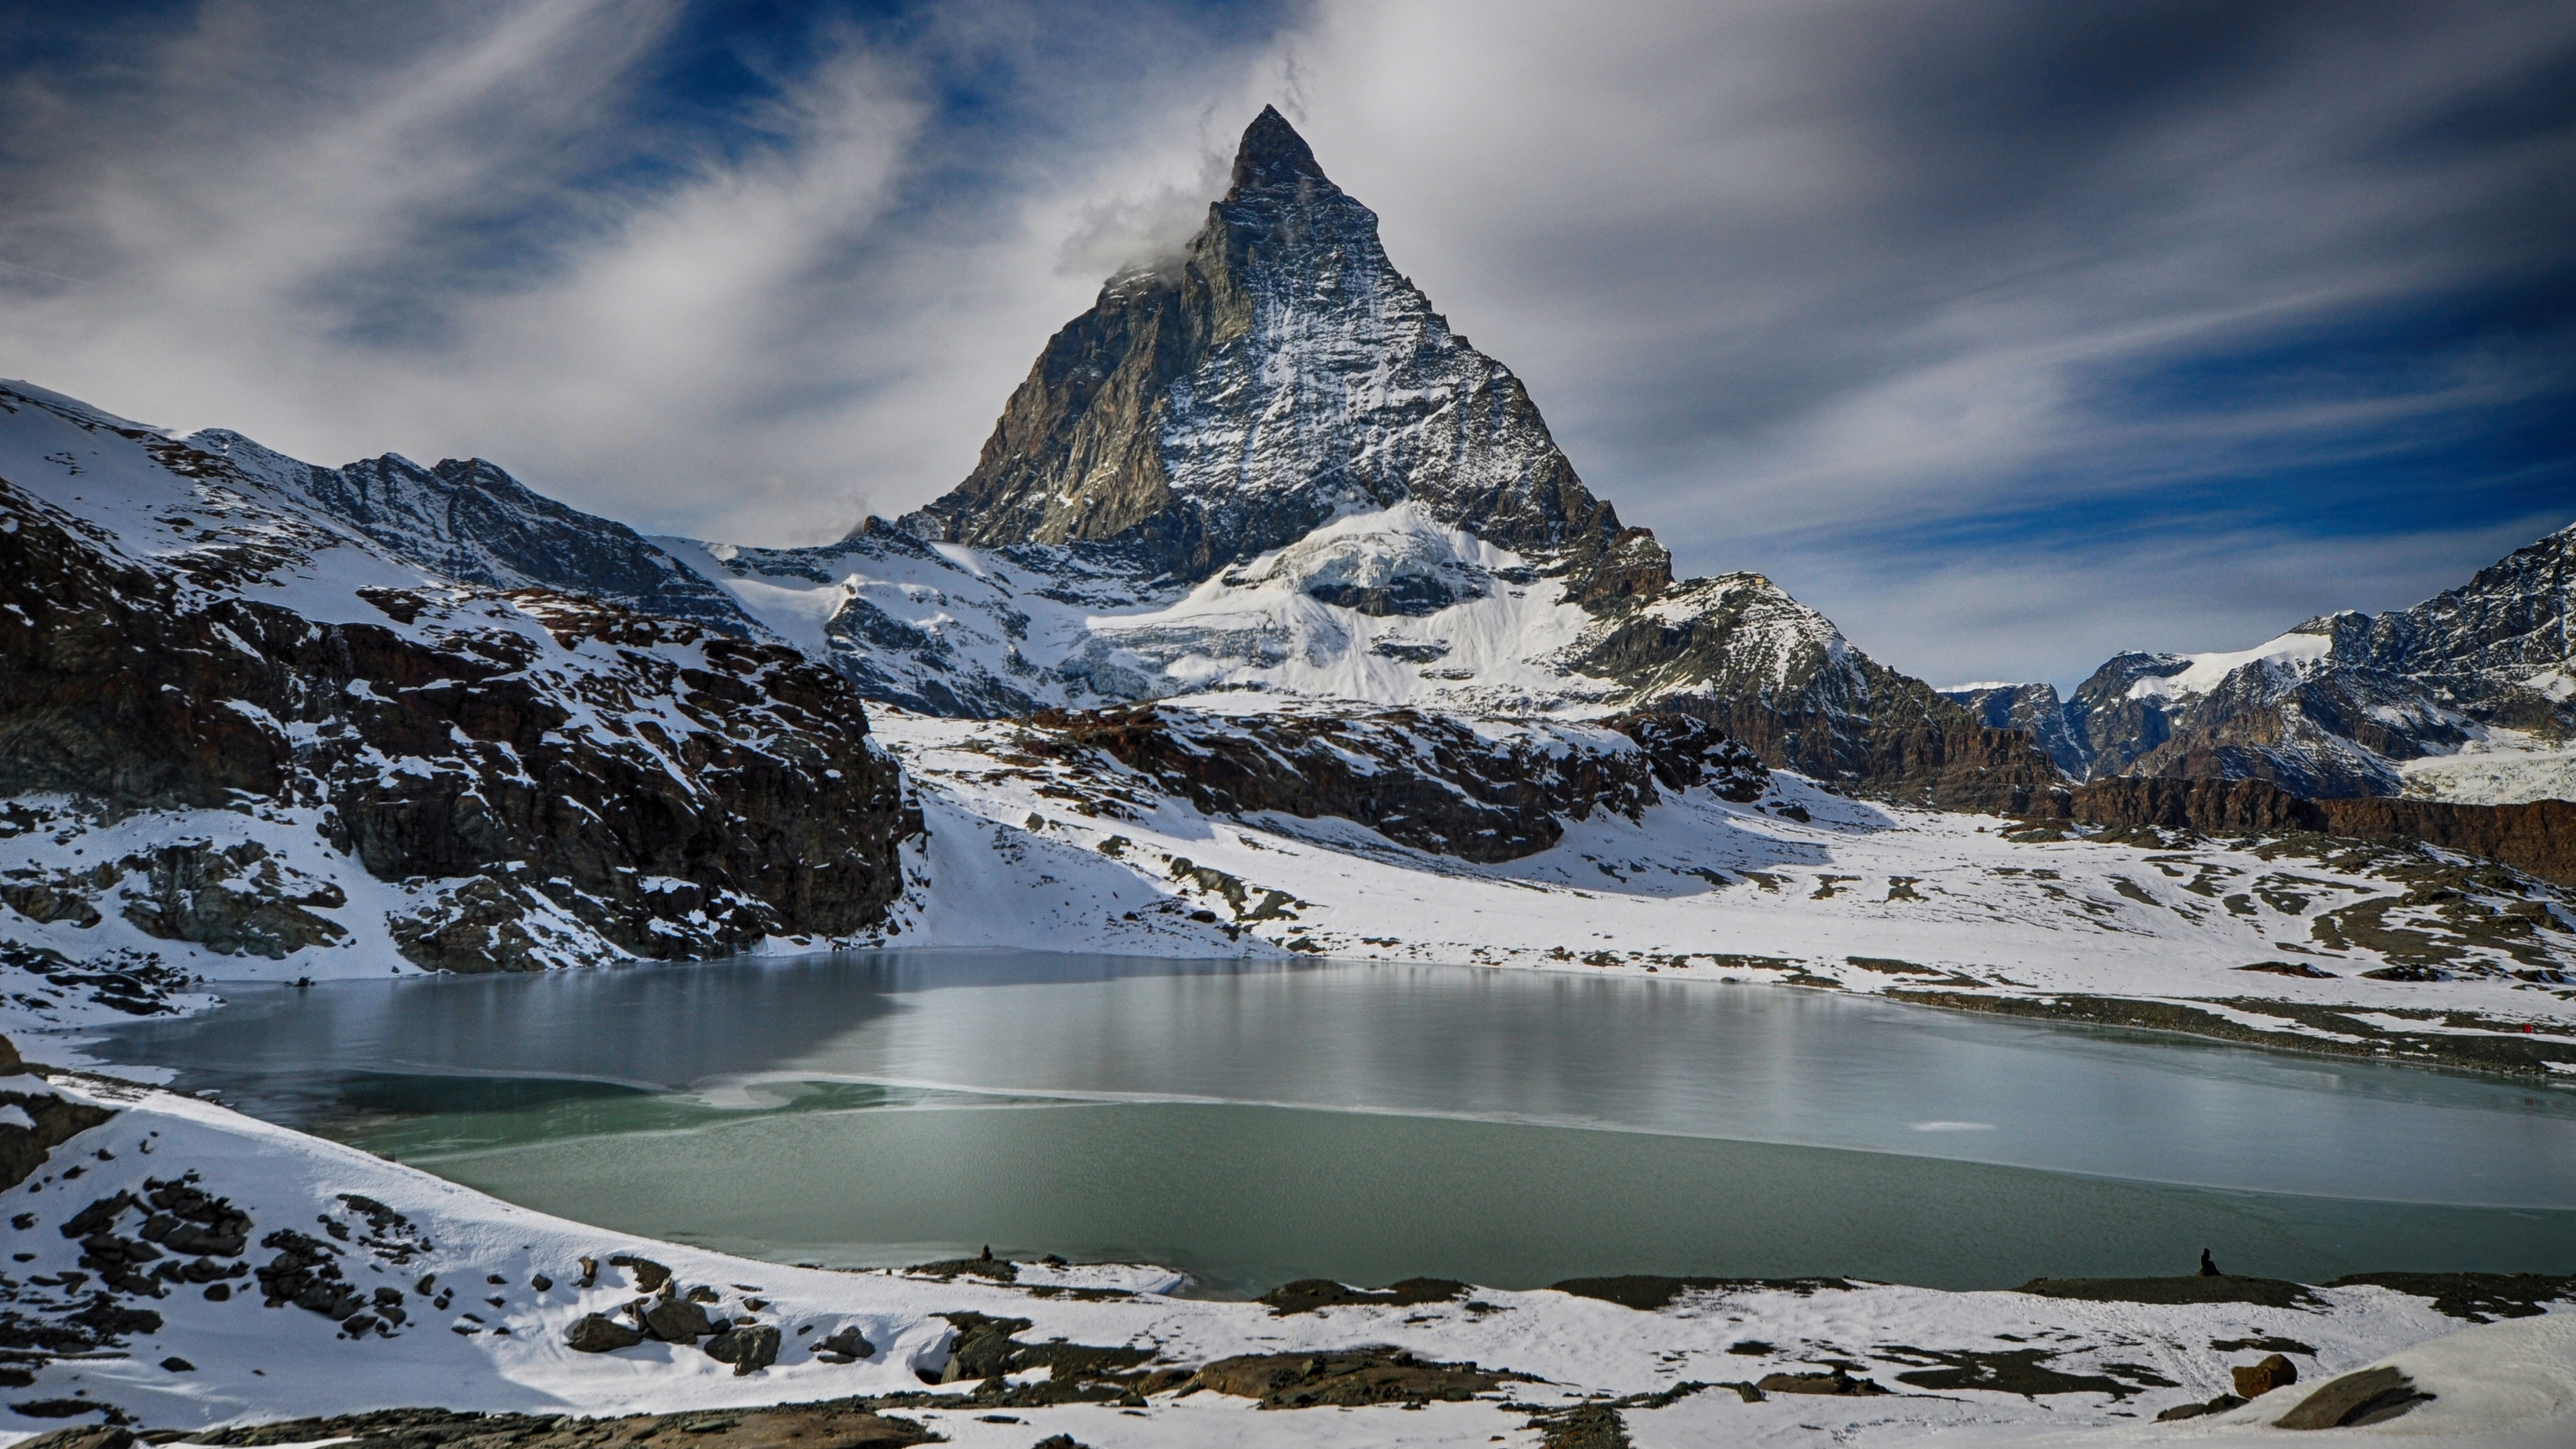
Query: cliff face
[(2538, 837), (237, 703), (1742, 654), (1278, 373), (1484, 792)]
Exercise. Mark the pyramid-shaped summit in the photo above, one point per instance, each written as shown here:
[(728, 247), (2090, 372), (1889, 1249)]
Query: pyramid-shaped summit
[(1276, 374), (1273, 154)]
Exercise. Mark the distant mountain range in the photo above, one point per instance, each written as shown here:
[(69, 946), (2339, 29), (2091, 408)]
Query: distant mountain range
[(2469, 695)]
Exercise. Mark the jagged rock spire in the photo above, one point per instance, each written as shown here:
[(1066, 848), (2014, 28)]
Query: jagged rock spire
[(1278, 374), (1272, 153)]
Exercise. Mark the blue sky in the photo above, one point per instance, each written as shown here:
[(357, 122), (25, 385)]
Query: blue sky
[(2008, 334)]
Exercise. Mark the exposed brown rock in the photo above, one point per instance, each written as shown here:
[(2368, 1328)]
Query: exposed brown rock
[(1345, 1379), (2254, 1380), (834, 1424), (599, 1333), (2538, 837), (2368, 1397), (136, 688), (57, 1121), (1839, 1382), (1428, 780), (1308, 1294)]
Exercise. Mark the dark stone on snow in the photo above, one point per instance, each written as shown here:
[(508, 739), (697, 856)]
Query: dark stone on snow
[(1308, 1294), (749, 1348), (2254, 1380), (2368, 1397), (2268, 1292), (676, 1320), (601, 1334)]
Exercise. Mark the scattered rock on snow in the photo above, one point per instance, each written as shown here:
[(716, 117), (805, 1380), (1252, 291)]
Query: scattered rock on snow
[(2368, 1397), (751, 1347), (599, 1333), (2254, 1380)]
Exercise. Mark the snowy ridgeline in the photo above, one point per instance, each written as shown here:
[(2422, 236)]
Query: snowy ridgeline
[(240, 736), (295, 1278), (2468, 697), (1791, 884)]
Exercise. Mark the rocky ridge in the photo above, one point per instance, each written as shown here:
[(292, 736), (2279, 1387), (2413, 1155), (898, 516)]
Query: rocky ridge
[(1481, 791), (230, 727), (2345, 705), (1267, 464)]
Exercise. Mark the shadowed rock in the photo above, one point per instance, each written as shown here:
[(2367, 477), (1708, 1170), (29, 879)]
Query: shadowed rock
[(2369, 1397)]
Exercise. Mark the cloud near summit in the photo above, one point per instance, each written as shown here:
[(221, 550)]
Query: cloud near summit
[(2006, 334)]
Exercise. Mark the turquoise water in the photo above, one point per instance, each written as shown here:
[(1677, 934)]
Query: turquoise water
[(1252, 1123)]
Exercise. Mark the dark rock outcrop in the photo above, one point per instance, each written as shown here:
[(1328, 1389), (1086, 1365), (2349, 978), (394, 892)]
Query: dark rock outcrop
[(1430, 781), (2371, 1396), (677, 792), (2254, 1380), (1741, 654), (2538, 838), (749, 1347), (599, 1333), (839, 1423), (54, 1121), (1347, 1379)]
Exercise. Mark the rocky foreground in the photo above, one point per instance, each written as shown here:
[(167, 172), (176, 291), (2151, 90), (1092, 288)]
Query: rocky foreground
[(181, 1273)]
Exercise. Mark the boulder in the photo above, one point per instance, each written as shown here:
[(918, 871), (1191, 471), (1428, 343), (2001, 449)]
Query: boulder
[(649, 1275), (849, 1345), (2219, 1405), (599, 1333), (2254, 1380), (751, 1346), (2355, 1399), (1839, 1381), (676, 1320)]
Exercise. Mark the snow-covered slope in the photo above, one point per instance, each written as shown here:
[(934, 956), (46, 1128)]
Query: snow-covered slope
[(2278, 941), (472, 523), (179, 1266), (239, 737), (1267, 464)]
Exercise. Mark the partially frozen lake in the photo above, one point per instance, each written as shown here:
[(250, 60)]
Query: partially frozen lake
[(1258, 1122)]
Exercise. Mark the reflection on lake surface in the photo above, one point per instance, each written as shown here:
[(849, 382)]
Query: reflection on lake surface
[(1251, 1122)]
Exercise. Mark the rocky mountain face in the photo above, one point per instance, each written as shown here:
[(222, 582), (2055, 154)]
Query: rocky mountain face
[(2034, 709), (232, 726), (469, 521), (1267, 464), (1480, 790), (2345, 705), (1278, 374), (2537, 837)]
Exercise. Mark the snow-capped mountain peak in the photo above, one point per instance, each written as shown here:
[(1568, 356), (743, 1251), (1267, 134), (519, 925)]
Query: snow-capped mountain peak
[(1277, 374)]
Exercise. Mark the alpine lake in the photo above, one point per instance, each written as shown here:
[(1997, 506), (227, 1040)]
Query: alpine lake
[(1254, 1123)]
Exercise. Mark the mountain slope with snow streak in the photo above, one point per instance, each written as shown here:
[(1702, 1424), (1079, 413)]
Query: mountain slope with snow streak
[(2469, 696), (238, 737)]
